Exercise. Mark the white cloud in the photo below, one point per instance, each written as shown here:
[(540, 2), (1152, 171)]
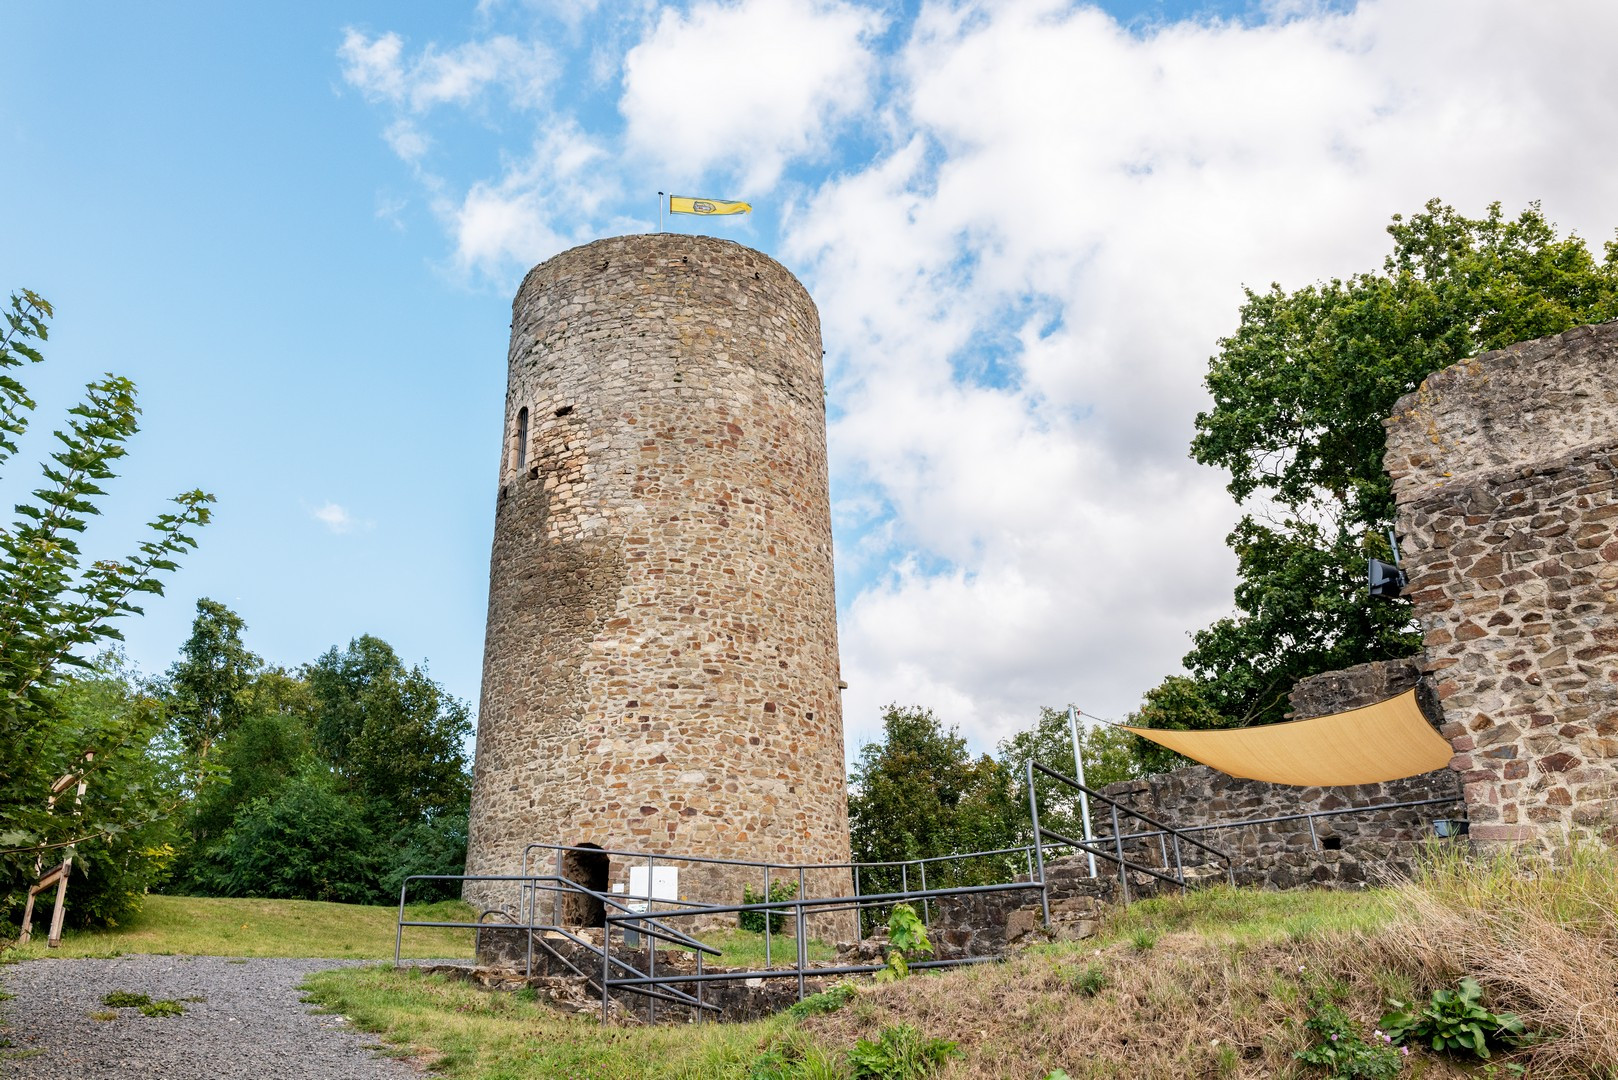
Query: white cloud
[(335, 517), (1020, 297), (378, 68), (745, 87), (516, 220)]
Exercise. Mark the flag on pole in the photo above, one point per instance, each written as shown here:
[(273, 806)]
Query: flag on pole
[(685, 204)]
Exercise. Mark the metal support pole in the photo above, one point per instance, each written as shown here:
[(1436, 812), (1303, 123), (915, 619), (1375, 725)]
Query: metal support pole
[(1118, 846), (1179, 869), (768, 917), (1163, 849), (1039, 848), (904, 878), (398, 934), (528, 931), (859, 912), (1315, 839), (803, 946), (556, 908), (651, 942), (606, 966), (926, 915), (701, 1012), (1078, 767)]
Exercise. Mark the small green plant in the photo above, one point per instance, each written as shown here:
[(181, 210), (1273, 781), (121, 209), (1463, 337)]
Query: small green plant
[(1143, 939), (1057, 1074), (165, 1007), (1454, 1021), (907, 938), (900, 1053), (1089, 982), (827, 1001), (124, 999), (1341, 1050), (754, 920), (796, 1057), (105, 1014)]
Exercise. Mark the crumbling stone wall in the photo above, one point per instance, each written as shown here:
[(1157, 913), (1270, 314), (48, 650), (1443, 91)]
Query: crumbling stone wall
[(1342, 851), (660, 667), (1504, 470)]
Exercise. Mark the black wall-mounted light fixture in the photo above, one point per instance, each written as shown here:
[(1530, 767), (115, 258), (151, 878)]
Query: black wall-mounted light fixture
[(1386, 580)]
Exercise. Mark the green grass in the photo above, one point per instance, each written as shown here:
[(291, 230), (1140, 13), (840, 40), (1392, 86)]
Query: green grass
[(213, 926), (1247, 916), (745, 949), (460, 1031)]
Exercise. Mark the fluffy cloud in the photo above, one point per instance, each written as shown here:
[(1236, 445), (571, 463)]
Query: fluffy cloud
[(745, 87), (1020, 297), (378, 68)]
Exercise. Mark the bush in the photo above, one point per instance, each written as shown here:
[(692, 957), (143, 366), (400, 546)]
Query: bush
[(309, 842), (754, 920), (429, 847)]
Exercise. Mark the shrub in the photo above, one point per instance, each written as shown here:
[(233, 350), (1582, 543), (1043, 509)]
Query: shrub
[(827, 1001), (754, 920), (308, 842)]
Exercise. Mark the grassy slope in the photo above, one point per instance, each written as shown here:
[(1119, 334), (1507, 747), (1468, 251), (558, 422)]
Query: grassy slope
[(1205, 986), (207, 926)]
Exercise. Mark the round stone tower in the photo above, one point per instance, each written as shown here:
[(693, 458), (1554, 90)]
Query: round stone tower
[(660, 672)]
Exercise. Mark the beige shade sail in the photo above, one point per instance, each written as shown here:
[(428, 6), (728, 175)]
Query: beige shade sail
[(1386, 741)]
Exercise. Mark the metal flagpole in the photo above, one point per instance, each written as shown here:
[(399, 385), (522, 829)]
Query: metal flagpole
[(659, 211), (1078, 766)]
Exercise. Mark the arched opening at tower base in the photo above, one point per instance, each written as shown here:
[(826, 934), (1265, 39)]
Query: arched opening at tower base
[(590, 868)]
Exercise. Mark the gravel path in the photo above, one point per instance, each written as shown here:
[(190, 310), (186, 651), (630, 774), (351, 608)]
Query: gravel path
[(250, 1023)]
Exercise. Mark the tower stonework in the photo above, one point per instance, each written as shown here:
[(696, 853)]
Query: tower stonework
[(660, 670)]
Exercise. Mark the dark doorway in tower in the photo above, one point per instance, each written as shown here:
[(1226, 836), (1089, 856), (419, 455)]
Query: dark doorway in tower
[(588, 865)]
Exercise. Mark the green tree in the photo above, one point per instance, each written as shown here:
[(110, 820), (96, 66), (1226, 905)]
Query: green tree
[(56, 608), (208, 686), (1110, 755), (1300, 391), (397, 738), (919, 793)]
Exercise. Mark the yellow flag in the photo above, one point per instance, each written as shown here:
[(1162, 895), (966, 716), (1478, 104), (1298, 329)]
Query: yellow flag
[(684, 204)]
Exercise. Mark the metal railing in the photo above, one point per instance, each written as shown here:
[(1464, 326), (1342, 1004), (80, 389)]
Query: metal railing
[(655, 919), (1094, 846)]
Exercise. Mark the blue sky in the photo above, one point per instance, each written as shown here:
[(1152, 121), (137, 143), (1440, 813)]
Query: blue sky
[(1026, 223)]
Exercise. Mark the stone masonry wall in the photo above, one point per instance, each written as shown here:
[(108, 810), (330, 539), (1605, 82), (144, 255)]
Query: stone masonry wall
[(1504, 469), (1353, 849), (660, 668)]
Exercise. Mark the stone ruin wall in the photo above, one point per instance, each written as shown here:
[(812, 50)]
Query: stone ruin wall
[(660, 668), (1504, 471), (1354, 850)]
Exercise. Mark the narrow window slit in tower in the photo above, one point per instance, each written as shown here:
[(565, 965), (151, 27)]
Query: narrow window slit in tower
[(522, 436)]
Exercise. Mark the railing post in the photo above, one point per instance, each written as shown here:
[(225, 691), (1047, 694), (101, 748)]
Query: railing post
[(767, 919), (1163, 848), (1039, 848), (859, 914), (606, 965), (398, 935), (651, 942), (803, 947), (556, 908), (926, 914), (700, 1010), (904, 877), (1118, 846), (1314, 838), (1179, 867), (528, 931)]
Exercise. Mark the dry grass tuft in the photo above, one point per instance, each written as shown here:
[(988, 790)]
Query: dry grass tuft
[(1539, 934)]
